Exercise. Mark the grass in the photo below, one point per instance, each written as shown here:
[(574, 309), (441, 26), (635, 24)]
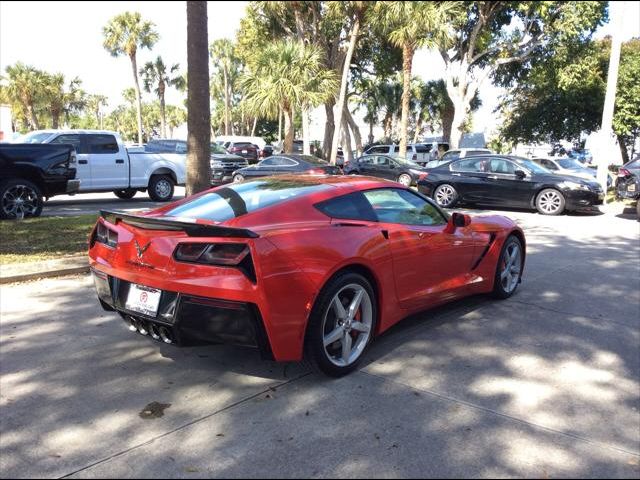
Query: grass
[(44, 238)]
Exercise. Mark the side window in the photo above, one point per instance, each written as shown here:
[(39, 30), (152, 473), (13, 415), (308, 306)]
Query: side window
[(181, 147), (470, 166), (549, 165), (283, 162), (366, 160), (379, 149), (401, 206), (269, 162), (501, 166), (353, 206), (71, 139), (382, 161), (102, 144)]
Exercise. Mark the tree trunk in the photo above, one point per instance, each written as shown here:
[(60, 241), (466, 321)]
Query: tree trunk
[(198, 111), (55, 119), (288, 129), (163, 115), (226, 101), (279, 126), (407, 59), (346, 141), (447, 119), (418, 127), (253, 129), (623, 149), (370, 132), (388, 125), (459, 116), (134, 65), (343, 89), (329, 128), (306, 146), (353, 126), (33, 118)]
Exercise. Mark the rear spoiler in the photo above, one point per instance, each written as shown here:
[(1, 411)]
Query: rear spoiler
[(167, 223)]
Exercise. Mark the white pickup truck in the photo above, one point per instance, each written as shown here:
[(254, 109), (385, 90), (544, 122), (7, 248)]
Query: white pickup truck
[(104, 164)]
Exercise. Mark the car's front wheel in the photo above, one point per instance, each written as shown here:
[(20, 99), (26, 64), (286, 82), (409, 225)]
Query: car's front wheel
[(405, 180), (20, 199), (550, 202), (341, 324), (445, 195)]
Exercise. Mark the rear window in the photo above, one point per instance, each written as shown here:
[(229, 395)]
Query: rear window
[(353, 206), (243, 144), (235, 200), (422, 148)]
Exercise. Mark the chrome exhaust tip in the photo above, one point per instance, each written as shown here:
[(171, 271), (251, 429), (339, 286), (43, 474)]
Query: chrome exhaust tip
[(133, 327), (153, 331), (165, 335), (143, 329)]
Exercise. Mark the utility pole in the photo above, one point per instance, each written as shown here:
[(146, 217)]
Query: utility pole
[(606, 144)]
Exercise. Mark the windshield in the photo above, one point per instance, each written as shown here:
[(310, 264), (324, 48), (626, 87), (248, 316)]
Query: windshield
[(235, 200), (531, 165), (570, 164), (33, 137), (215, 148), (407, 163)]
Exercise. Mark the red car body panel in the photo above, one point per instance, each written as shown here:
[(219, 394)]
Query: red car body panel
[(299, 249)]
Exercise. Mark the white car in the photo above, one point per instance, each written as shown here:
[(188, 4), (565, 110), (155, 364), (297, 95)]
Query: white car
[(456, 154), (105, 164)]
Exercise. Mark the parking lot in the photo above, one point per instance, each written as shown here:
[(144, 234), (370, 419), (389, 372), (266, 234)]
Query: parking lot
[(545, 384)]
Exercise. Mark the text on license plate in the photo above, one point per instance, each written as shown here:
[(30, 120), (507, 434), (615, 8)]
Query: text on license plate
[(143, 299), (245, 151), (631, 188)]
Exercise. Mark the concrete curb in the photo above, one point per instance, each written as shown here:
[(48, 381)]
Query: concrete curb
[(53, 268)]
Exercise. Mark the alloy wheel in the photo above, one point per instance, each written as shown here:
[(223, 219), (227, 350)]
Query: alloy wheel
[(445, 195), (405, 180), (347, 325), (20, 201), (550, 201), (511, 267), (163, 188)]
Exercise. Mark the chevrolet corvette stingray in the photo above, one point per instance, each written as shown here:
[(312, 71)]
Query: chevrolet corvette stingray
[(297, 266)]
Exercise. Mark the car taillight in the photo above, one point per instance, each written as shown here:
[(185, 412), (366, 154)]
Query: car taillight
[(105, 235), (226, 254), (422, 176), (316, 171), (623, 172)]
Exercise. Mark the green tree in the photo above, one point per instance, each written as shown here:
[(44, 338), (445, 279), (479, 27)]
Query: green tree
[(227, 64), (22, 86), (626, 118), (124, 35), (198, 97), (60, 100), (155, 74), (94, 105), (494, 38), (287, 76)]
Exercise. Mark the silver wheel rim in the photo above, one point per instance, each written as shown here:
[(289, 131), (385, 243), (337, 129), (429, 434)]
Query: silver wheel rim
[(346, 326), (511, 266), (550, 202), (20, 201), (163, 188), (445, 195), (238, 179), (405, 180)]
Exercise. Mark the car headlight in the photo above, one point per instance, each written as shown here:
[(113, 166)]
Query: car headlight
[(574, 185)]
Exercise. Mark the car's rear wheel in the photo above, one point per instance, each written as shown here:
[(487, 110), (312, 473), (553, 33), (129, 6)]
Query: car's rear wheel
[(125, 194), (161, 188), (550, 202), (238, 178), (405, 180), (445, 195), (509, 269), (19, 199), (341, 324)]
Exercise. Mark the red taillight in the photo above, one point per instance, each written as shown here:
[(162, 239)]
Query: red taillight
[(623, 172), (423, 176), (105, 236), (227, 254), (316, 171)]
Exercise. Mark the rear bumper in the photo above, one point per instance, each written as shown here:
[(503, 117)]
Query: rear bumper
[(187, 320)]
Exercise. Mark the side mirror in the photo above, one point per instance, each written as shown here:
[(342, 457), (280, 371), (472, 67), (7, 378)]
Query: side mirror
[(520, 174), (457, 220)]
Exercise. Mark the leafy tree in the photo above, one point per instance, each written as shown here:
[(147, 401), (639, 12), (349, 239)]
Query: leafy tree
[(155, 74), (287, 76), (506, 40), (226, 63), (61, 101), (22, 86), (123, 35), (626, 118)]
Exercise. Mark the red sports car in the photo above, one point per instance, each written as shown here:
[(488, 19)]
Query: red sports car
[(297, 266)]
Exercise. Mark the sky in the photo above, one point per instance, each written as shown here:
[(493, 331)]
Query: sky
[(67, 37)]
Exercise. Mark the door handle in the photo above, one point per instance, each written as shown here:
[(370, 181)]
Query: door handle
[(83, 162), (119, 161)]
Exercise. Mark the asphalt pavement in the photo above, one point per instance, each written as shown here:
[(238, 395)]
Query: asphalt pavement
[(545, 384)]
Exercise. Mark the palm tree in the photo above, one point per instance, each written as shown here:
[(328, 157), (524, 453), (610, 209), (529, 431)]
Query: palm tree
[(222, 55), (289, 76), (155, 73), (123, 35), (409, 26), (94, 105), (60, 100), (23, 87), (198, 112)]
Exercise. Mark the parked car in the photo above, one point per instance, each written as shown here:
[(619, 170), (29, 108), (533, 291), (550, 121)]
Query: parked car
[(451, 155), (245, 149), (570, 166), (267, 151), (628, 183), (223, 163), (286, 163), (418, 153), (104, 164), (383, 166), (508, 181), (297, 266), (29, 173), (583, 155), (557, 150)]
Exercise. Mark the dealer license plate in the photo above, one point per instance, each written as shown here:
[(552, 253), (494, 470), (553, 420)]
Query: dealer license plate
[(143, 299), (631, 188)]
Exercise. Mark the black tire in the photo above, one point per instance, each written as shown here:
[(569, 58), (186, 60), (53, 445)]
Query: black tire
[(316, 353), (448, 195), (550, 202), (500, 290), (20, 199), (238, 178), (161, 188), (125, 194)]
